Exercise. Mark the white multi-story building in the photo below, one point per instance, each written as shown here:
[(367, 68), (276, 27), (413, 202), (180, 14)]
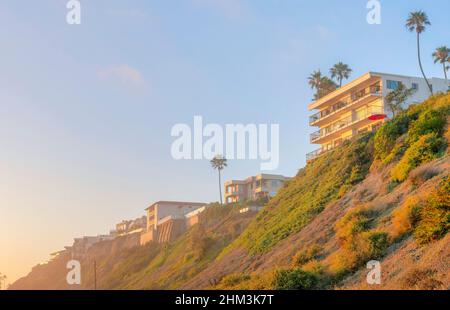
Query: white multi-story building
[(166, 220), (359, 106), (253, 188)]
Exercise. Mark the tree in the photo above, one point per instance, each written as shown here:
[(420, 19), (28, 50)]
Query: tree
[(442, 55), (323, 84), (327, 86), (219, 162), (397, 97), (417, 21), (340, 71), (314, 80)]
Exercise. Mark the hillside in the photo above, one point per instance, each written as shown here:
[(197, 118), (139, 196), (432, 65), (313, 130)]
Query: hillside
[(383, 196)]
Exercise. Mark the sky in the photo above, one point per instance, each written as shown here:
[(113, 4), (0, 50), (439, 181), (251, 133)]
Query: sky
[(86, 110)]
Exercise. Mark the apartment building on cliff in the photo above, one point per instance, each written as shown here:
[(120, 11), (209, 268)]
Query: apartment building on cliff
[(127, 227), (81, 245), (359, 106), (166, 220), (253, 188)]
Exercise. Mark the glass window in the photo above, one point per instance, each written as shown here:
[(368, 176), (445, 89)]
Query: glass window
[(415, 86), (392, 84)]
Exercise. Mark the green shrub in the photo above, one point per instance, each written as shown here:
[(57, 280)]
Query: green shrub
[(379, 241), (234, 279), (425, 149), (294, 279), (434, 216), (306, 195), (304, 256), (354, 222), (431, 121), (358, 242), (387, 135), (406, 216)]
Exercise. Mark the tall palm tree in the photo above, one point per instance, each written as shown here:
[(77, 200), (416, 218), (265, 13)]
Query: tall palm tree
[(315, 80), (340, 71), (442, 55), (417, 21), (219, 162)]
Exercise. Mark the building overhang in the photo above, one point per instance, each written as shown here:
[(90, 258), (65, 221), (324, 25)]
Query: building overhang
[(179, 203), (367, 78)]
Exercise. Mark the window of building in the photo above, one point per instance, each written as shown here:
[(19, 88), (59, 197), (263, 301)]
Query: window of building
[(415, 86), (361, 113), (392, 84)]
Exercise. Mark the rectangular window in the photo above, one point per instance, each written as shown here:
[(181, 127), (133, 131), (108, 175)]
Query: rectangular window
[(415, 86), (392, 84)]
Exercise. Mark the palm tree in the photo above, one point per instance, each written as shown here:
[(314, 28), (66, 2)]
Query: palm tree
[(340, 71), (219, 162), (417, 22), (442, 55), (327, 86), (315, 79)]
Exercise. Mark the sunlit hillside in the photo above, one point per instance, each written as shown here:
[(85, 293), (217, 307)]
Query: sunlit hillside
[(382, 196)]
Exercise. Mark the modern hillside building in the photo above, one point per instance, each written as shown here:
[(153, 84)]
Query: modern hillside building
[(166, 219), (253, 188), (359, 106), (127, 227)]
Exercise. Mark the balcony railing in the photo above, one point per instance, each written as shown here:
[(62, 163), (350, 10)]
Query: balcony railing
[(344, 123), (314, 154), (341, 105)]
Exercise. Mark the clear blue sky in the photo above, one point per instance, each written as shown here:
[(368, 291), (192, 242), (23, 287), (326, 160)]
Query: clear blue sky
[(86, 111)]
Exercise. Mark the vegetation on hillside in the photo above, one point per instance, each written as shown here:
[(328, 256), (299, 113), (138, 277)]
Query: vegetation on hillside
[(320, 182), (413, 138), (407, 156)]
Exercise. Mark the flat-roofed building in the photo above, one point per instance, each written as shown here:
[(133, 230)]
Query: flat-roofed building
[(253, 188), (162, 212), (359, 107), (127, 227), (193, 218)]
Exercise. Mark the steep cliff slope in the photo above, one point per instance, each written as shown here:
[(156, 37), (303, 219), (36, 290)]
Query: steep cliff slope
[(383, 196)]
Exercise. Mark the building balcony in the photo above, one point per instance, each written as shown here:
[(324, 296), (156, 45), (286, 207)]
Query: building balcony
[(314, 154), (358, 99), (336, 129)]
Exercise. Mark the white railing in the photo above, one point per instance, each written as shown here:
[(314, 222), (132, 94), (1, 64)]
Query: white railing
[(343, 104), (347, 122)]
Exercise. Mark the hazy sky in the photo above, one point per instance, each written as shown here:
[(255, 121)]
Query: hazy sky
[(86, 110)]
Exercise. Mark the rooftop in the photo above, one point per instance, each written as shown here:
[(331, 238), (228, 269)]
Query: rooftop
[(182, 203), (368, 77), (258, 177)]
